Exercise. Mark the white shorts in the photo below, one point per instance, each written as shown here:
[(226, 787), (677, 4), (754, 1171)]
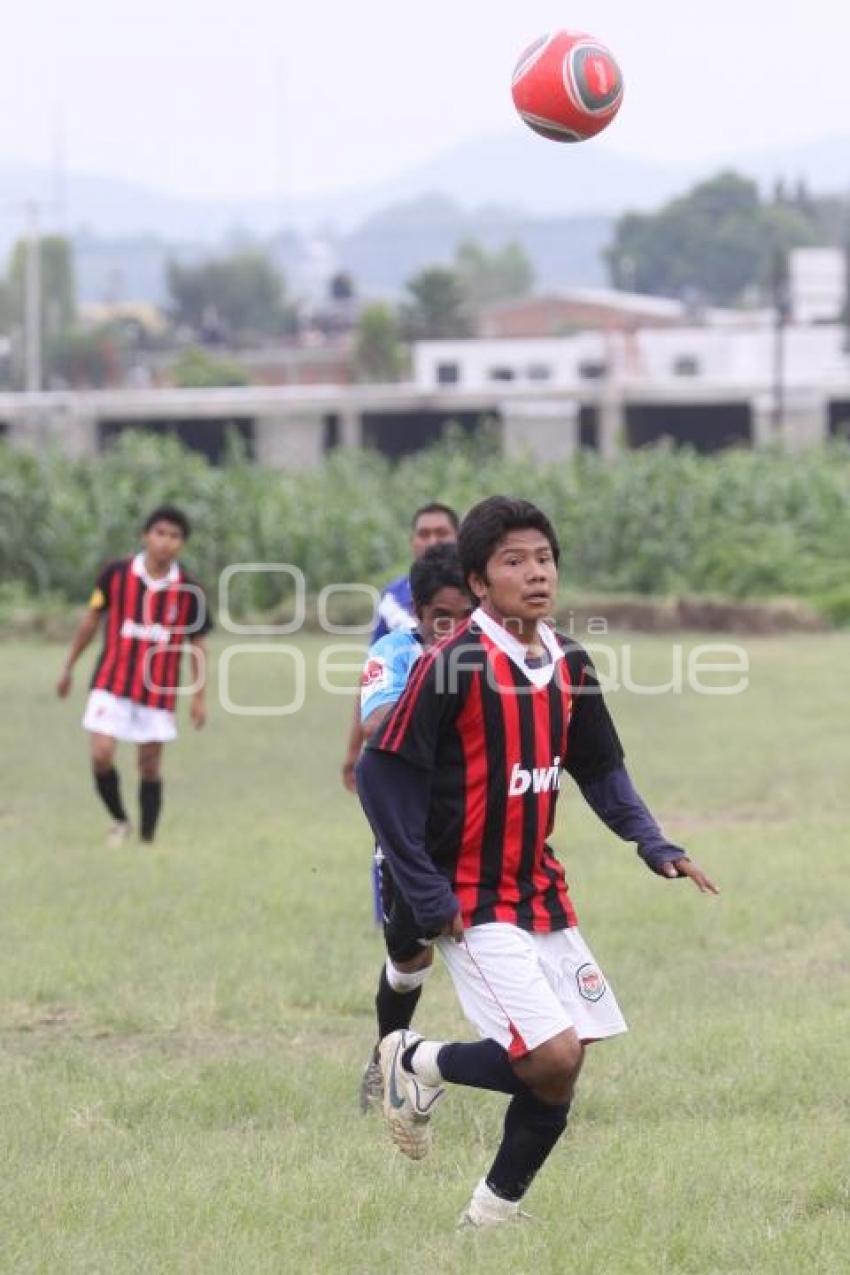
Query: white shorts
[(522, 989), (121, 718)]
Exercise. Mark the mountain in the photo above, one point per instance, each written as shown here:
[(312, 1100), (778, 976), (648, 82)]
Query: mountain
[(516, 170)]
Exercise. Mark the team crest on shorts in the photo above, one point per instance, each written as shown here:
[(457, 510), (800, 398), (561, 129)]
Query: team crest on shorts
[(591, 983)]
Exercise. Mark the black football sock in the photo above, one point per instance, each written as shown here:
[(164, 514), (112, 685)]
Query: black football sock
[(150, 804), (482, 1064), (531, 1130), (394, 1009), (108, 787)]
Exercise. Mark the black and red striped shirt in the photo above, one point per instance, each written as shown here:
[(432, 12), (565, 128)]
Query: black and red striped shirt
[(494, 736), (148, 624)]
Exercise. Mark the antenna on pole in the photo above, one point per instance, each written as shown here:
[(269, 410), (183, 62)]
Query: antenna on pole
[(32, 296)]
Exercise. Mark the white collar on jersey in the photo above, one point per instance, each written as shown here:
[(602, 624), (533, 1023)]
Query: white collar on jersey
[(515, 650), (139, 569)]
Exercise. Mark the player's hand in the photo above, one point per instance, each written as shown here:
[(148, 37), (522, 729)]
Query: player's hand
[(686, 868), (453, 929), (198, 712), (348, 780), (63, 686)]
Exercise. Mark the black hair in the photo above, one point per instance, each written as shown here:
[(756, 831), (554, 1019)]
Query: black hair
[(434, 507), (169, 513), (486, 525), (438, 568)]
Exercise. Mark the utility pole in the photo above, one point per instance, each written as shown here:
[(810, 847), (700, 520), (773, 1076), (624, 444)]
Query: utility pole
[(33, 299), (781, 308)]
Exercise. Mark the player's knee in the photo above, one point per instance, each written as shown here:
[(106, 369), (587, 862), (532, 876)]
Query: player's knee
[(552, 1069), (101, 758), (149, 764)]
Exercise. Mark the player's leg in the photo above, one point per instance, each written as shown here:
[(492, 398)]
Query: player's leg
[(150, 788), (400, 982), (108, 784), (531, 1050)]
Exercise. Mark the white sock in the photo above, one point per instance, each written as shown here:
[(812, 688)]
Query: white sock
[(404, 980), (424, 1063), (491, 1204)]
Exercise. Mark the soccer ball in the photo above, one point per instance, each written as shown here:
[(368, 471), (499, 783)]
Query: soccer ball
[(567, 86)]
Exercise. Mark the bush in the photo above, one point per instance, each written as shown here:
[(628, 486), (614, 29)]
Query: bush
[(741, 524)]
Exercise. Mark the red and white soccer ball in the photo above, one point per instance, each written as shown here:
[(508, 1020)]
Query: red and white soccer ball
[(567, 86)]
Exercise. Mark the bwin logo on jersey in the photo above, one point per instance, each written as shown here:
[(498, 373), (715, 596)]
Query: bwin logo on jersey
[(540, 779)]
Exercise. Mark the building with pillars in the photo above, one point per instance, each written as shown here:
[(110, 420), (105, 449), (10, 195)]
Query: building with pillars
[(708, 387)]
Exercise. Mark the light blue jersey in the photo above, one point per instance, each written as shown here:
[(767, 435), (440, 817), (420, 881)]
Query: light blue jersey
[(387, 670)]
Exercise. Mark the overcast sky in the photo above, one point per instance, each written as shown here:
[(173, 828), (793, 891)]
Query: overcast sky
[(238, 97)]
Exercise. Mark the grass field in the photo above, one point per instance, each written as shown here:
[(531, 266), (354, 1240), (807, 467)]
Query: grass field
[(182, 1029)]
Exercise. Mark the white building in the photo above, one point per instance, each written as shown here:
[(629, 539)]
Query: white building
[(716, 357), (817, 284)]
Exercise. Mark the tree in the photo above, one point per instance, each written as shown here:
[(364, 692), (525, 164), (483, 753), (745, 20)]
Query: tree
[(86, 358), (378, 352), (501, 275), (228, 298), (438, 306), (717, 242), (58, 292)]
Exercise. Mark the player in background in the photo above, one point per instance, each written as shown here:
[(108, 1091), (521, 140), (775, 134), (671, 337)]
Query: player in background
[(440, 602), (153, 610), (460, 785), (432, 524)]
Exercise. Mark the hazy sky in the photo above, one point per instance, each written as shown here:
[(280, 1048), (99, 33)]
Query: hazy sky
[(238, 97)]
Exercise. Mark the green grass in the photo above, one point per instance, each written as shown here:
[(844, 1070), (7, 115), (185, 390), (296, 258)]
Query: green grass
[(182, 1029)]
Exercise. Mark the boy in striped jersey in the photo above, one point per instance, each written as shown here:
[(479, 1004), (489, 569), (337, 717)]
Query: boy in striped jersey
[(153, 610), (460, 785)]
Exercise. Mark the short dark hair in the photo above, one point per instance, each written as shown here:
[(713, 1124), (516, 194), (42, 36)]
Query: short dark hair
[(435, 507), (169, 513), (438, 568), (486, 525)]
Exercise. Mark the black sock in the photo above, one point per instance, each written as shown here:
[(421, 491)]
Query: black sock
[(150, 804), (532, 1128), (394, 1009), (109, 789), (483, 1064)]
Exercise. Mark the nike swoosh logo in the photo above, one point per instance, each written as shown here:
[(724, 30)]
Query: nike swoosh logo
[(396, 1099), (421, 1108)]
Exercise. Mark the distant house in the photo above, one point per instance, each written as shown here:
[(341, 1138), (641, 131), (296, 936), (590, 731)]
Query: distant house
[(582, 309)]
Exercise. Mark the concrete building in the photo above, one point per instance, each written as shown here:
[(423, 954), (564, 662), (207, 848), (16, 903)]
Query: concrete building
[(707, 387), (581, 309)]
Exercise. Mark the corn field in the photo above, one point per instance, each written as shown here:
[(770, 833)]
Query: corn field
[(740, 524)]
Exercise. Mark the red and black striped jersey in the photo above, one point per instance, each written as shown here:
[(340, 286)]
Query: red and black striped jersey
[(495, 734), (148, 624)]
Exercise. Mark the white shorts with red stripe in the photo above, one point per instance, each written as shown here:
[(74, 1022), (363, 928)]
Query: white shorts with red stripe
[(124, 719), (522, 989)]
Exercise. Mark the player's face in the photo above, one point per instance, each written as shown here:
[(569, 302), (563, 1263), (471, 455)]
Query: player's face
[(163, 543), (431, 529), (522, 580), (447, 609)]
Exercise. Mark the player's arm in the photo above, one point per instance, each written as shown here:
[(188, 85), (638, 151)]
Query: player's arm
[(357, 736), (86, 630), (394, 783), (395, 798), (198, 706), (356, 739), (595, 761), (373, 723), (199, 624), (385, 675)]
